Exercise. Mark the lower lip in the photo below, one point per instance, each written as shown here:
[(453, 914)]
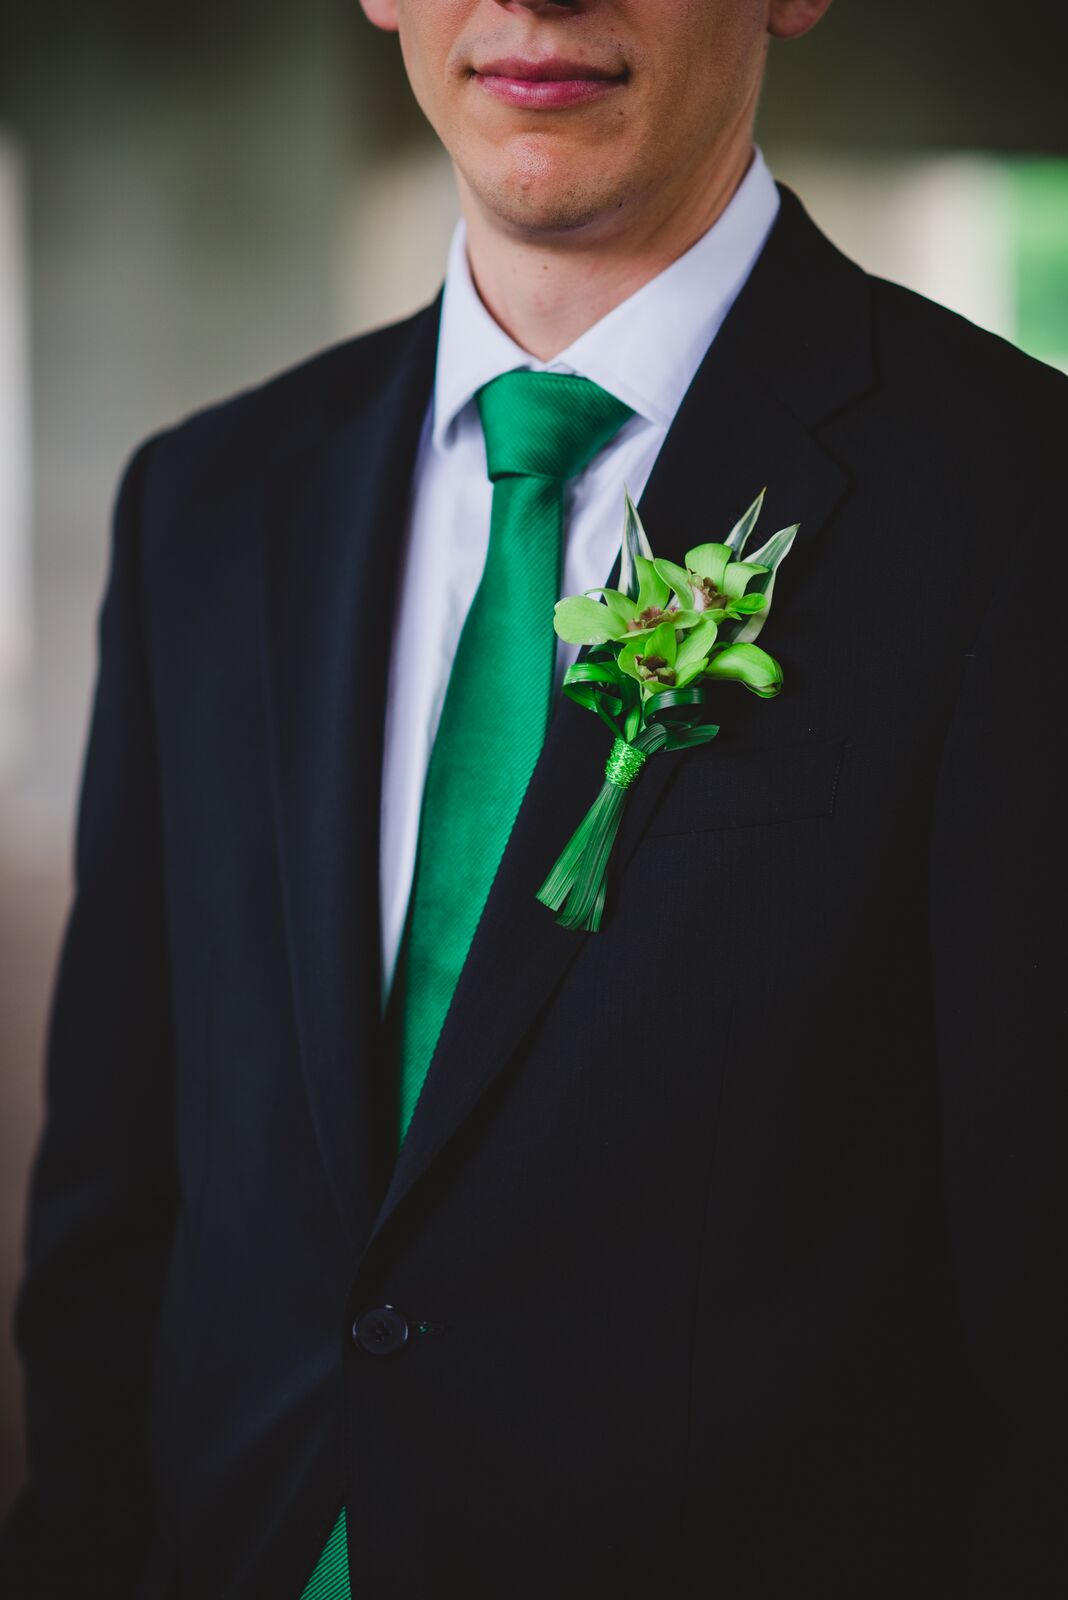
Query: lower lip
[(547, 94)]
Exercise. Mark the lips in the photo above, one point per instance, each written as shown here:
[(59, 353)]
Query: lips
[(549, 69), (549, 83)]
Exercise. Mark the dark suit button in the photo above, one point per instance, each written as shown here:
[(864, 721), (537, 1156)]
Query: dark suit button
[(380, 1332)]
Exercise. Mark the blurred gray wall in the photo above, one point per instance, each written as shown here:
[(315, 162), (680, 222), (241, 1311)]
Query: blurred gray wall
[(204, 193)]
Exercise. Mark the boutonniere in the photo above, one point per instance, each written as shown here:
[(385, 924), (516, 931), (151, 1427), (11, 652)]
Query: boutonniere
[(657, 645)]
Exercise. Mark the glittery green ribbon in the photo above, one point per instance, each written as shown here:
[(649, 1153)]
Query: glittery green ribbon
[(624, 764)]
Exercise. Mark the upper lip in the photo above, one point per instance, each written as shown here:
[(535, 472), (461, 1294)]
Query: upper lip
[(547, 68)]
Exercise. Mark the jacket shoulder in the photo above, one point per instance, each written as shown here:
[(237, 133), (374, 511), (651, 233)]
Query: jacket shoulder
[(955, 357), (259, 426), (960, 407)]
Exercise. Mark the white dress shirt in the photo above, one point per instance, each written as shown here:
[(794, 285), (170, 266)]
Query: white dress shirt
[(645, 352)]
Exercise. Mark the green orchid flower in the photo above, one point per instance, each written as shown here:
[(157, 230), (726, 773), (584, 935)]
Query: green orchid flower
[(668, 657), (716, 581), (615, 617), (671, 625), (713, 583)]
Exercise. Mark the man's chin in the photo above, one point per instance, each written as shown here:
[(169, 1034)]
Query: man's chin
[(545, 206)]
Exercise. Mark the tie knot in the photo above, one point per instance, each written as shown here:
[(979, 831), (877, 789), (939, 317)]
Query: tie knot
[(546, 424)]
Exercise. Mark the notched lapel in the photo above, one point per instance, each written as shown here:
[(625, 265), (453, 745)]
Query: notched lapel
[(334, 522), (794, 349)]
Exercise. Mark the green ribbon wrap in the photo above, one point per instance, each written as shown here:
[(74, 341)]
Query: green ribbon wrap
[(624, 764)]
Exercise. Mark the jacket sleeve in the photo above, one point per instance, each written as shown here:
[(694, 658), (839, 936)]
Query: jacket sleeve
[(1000, 992), (104, 1192)]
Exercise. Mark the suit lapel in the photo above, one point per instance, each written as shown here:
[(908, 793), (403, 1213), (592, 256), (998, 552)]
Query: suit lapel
[(335, 518), (794, 349)]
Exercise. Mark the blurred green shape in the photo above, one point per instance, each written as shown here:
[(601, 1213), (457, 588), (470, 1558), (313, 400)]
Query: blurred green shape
[(1040, 196)]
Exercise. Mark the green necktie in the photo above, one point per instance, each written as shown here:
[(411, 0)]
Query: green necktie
[(541, 428)]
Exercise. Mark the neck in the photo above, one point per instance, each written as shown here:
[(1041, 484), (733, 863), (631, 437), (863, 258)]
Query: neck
[(546, 291)]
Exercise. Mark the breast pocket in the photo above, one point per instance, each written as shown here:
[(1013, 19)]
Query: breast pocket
[(751, 788)]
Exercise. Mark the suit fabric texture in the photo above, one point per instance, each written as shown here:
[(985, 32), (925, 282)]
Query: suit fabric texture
[(726, 1235)]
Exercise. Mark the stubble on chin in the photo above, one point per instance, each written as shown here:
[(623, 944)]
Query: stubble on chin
[(536, 195)]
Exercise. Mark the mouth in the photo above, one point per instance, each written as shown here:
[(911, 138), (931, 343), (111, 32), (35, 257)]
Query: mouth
[(547, 84)]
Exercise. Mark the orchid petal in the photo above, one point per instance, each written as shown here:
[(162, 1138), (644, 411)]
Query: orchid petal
[(626, 660), (686, 674), (737, 575), (662, 642), (746, 605), (747, 664), (679, 580), (709, 561), (619, 604), (652, 590), (579, 620), (698, 642)]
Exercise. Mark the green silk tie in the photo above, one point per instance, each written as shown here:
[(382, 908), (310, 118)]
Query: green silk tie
[(541, 428)]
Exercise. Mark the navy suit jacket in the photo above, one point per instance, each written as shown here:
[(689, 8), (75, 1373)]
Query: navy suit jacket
[(724, 1237)]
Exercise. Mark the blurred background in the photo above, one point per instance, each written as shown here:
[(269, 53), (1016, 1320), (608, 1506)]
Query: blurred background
[(193, 196)]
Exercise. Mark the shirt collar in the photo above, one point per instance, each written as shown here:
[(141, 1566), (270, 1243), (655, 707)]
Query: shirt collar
[(646, 350)]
